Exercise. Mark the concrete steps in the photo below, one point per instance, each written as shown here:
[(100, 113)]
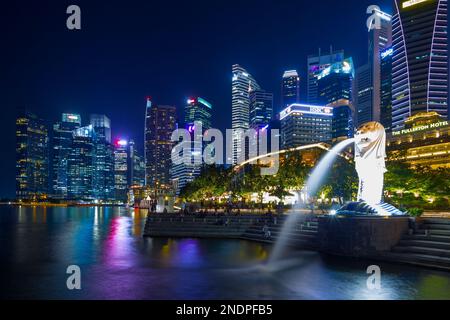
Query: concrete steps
[(425, 243), (249, 227), (428, 246), (423, 250)]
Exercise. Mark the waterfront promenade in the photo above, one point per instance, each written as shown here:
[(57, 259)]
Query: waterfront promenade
[(425, 243)]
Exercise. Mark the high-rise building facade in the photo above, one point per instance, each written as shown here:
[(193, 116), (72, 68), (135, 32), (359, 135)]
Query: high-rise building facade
[(364, 94), (290, 88), (335, 82), (32, 157), (420, 59), (121, 170), (80, 165), (160, 122), (136, 165), (342, 125), (303, 124), (61, 146), (242, 84), (261, 108), (198, 111), (368, 83), (335, 85), (386, 89), (104, 171), (316, 64)]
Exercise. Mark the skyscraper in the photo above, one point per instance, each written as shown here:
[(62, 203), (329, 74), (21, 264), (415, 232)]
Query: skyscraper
[(335, 82), (368, 83), (261, 108), (420, 59), (61, 145), (160, 122), (303, 124), (80, 164), (335, 85), (290, 88), (136, 165), (197, 111), (386, 89), (242, 84), (103, 158), (32, 157), (316, 64), (121, 170)]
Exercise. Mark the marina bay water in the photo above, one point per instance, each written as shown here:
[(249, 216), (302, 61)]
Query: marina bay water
[(38, 244)]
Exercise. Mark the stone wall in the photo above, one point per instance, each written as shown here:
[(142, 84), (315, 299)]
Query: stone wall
[(360, 236)]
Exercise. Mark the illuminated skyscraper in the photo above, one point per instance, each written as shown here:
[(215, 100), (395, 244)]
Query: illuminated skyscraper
[(61, 146), (316, 64), (261, 108), (103, 157), (420, 59), (368, 83), (242, 84), (335, 85), (335, 82), (32, 157), (290, 88), (80, 165), (303, 124), (160, 122), (136, 166), (386, 89), (121, 170), (197, 111)]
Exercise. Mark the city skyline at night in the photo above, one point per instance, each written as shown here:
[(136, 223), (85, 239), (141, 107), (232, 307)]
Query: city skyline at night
[(122, 97), (187, 154)]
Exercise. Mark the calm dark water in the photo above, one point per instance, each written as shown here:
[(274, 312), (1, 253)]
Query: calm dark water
[(38, 244)]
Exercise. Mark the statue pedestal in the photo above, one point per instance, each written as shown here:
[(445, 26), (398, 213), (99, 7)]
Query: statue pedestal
[(360, 236)]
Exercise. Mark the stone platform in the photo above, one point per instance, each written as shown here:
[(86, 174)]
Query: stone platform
[(360, 236)]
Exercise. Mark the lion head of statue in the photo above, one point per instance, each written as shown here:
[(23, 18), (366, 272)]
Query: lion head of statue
[(370, 141)]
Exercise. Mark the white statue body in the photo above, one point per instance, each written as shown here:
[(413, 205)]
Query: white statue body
[(370, 154)]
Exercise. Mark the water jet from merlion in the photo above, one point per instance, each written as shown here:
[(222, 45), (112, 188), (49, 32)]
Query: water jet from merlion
[(370, 154)]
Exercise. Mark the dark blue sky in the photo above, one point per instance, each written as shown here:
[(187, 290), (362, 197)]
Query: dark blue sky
[(169, 50)]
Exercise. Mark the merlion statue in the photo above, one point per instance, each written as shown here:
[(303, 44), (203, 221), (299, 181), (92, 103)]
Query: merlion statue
[(370, 154)]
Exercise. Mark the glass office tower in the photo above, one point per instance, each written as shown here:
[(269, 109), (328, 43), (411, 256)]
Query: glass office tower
[(420, 59)]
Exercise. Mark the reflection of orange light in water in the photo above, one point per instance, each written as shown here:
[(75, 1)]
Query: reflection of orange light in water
[(165, 250), (137, 227), (260, 253), (34, 214)]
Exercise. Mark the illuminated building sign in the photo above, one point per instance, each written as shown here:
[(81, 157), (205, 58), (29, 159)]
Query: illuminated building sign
[(421, 128), (411, 3), (69, 117), (122, 143), (306, 109), (387, 53)]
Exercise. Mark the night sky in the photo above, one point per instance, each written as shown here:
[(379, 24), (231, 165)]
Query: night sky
[(169, 50)]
